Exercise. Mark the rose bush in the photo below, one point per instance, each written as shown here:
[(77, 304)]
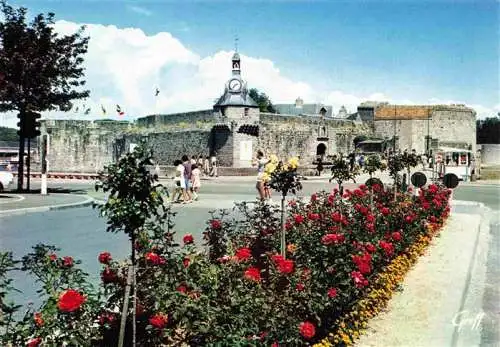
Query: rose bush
[(341, 253)]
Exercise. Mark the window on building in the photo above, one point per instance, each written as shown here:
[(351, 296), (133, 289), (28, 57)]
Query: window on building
[(246, 112)]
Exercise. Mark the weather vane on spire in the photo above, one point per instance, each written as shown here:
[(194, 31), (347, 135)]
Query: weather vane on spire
[(236, 43)]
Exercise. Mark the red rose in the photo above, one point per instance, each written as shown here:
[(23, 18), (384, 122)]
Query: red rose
[(67, 261), (330, 239), (300, 287), (286, 266), (370, 248), (243, 254), (433, 188), (106, 317), (275, 344), (182, 289), (104, 258), (34, 342), (288, 226), (337, 217), (363, 187), (70, 300), (186, 261), (188, 239), (387, 247), (314, 197), (215, 224), (159, 320), (307, 330), (396, 236), (52, 257), (154, 258), (37, 317), (298, 218), (359, 279), (253, 274), (332, 292), (313, 216), (108, 275), (385, 211)]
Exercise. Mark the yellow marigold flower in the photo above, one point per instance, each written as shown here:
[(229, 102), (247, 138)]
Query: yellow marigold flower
[(291, 248)]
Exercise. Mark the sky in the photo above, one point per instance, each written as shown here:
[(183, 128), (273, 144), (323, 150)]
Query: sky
[(333, 52)]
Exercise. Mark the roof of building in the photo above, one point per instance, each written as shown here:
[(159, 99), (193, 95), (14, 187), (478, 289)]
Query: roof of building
[(309, 109), (235, 99), (404, 112)]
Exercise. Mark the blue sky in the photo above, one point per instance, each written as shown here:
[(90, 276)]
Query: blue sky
[(420, 51)]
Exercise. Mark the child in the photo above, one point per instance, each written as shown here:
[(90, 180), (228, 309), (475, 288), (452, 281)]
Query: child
[(195, 181)]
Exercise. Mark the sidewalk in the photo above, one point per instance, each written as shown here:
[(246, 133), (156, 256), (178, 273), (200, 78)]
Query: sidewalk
[(441, 301), (15, 204)]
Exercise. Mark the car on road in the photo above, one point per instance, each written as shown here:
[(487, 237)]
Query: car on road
[(6, 178)]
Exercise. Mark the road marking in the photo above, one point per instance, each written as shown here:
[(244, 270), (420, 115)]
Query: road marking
[(19, 198)]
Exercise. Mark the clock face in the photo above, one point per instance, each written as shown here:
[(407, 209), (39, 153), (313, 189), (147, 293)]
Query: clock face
[(235, 85)]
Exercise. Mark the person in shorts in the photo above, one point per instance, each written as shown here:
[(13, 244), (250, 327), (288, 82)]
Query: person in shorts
[(195, 181)]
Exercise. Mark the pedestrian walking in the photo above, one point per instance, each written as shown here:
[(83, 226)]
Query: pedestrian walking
[(199, 163), (179, 182), (206, 166), (213, 166), (195, 181), (260, 161), (187, 178), (193, 160)]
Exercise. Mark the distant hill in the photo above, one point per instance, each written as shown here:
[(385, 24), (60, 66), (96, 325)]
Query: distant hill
[(8, 134)]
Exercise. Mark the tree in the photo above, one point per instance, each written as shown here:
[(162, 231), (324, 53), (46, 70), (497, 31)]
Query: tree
[(265, 104), (488, 130), (8, 134), (39, 69)]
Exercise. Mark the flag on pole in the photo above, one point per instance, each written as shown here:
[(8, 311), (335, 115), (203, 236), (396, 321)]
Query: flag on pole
[(103, 110), (157, 92), (119, 110)]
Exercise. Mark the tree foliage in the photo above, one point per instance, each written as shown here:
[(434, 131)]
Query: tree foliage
[(39, 69), (265, 104), (8, 134), (488, 130)]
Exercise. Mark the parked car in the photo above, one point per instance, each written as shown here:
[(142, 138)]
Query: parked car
[(6, 178)]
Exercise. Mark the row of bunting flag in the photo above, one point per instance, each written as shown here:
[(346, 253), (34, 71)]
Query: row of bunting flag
[(119, 110)]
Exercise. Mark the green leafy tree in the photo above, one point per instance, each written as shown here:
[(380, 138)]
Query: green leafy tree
[(488, 130), (341, 173), (39, 69), (8, 134), (265, 104)]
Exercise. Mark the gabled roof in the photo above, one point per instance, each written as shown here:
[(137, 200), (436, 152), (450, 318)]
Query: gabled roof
[(310, 109)]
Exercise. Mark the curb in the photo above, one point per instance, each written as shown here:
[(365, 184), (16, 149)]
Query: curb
[(20, 211)]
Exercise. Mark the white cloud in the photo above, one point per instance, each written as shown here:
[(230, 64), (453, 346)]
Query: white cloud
[(124, 66), (139, 10)]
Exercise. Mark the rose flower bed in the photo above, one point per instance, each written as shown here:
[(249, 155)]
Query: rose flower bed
[(345, 256)]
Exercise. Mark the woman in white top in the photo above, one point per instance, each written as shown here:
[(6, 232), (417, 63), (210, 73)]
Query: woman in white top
[(260, 162), (180, 182)]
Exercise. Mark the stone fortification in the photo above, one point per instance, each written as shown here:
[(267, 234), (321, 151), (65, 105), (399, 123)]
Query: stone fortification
[(446, 125)]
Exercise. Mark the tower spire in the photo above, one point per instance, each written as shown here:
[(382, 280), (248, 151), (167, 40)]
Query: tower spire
[(236, 39)]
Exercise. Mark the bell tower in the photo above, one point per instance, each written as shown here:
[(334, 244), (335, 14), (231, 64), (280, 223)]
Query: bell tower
[(241, 114)]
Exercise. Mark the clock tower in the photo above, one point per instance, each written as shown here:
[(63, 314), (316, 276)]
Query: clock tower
[(240, 113)]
